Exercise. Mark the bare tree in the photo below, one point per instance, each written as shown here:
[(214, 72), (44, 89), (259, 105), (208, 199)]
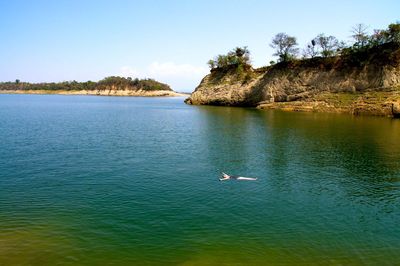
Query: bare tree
[(285, 47), (311, 50), (360, 35), (330, 45)]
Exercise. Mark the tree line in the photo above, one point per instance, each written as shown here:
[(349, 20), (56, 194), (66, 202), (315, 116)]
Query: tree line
[(106, 83), (287, 49)]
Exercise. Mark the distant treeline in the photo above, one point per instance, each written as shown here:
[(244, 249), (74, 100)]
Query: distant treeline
[(118, 83), (322, 46)]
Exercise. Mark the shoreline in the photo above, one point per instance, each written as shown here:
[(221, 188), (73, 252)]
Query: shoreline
[(372, 103), (131, 93)]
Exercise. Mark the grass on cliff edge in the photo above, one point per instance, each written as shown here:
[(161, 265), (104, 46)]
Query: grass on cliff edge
[(344, 99)]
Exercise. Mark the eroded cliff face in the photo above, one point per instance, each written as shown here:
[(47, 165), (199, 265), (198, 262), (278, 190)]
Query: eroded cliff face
[(330, 85), (226, 87)]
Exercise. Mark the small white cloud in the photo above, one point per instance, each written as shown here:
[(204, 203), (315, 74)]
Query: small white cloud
[(127, 71), (170, 69), (181, 77)]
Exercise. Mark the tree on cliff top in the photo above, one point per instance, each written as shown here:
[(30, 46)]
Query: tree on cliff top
[(285, 47), (311, 50), (393, 32), (330, 45), (324, 46), (239, 56), (379, 37), (363, 41), (360, 35)]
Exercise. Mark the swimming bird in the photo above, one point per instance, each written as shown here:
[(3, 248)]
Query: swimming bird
[(227, 177)]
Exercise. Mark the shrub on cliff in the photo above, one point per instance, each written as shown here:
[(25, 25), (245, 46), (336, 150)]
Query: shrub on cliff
[(240, 57)]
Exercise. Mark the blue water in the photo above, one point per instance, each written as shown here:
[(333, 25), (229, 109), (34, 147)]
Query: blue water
[(119, 180)]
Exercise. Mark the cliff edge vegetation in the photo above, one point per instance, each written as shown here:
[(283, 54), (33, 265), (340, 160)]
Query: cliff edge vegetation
[(363, 78), (109, 86)]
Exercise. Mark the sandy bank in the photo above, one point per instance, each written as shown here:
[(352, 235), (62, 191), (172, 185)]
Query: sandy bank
[(134, 93)]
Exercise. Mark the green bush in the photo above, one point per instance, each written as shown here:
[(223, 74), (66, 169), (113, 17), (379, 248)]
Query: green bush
[(240, 56)]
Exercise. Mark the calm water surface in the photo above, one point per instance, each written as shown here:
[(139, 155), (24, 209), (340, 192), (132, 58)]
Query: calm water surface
[(133, 181)]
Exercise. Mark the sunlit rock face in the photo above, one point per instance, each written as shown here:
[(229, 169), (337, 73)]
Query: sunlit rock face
[(337, 84)]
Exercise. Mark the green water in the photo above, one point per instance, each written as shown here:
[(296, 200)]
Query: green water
[(133, 181)]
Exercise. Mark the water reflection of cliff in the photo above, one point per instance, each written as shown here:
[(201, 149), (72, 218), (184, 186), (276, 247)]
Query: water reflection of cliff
[(362, 154), (227, 136), (358, 155)]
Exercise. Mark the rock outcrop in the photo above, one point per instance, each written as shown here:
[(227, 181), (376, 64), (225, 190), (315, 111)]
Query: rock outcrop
[(363, 83)]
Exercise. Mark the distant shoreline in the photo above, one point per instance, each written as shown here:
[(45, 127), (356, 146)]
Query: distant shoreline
[(132, 93)]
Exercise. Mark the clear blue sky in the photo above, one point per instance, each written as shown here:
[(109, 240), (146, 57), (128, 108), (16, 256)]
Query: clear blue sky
[(170, 41)]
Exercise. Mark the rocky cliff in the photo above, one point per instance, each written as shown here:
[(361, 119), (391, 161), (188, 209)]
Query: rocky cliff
[(367, 82)]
